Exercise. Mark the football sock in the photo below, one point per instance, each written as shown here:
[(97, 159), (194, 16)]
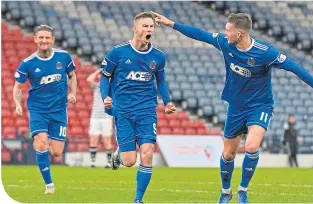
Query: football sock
[(43, 162), (248, 167), (227, 168), (144, 174)]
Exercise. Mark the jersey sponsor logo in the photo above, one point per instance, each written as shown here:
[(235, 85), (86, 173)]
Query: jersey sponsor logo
[(17, 75), (214, 35), (152, 65), (281, 58), (37, 70), (240, 70), (251, 61), (59, 65), (50, 78), (104, 62), (139, 76)]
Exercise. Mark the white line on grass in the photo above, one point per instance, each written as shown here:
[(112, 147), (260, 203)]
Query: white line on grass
[(157, 190)]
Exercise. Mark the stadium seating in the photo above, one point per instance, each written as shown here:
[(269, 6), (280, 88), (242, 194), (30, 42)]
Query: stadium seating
[(195, 71)]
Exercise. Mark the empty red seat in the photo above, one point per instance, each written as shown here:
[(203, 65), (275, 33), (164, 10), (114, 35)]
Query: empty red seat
[(190, 131), (178, 131), (72, 147), (162, 123), (201, 131), (174, 123), (165, 131), (9, 132), (182, 115), (21, 122), (198, 124), (214, 131), (186, 123), (83, 114), (160, 108), (161, 115)]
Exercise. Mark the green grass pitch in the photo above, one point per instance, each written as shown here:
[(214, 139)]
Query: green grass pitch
[(168, 185)]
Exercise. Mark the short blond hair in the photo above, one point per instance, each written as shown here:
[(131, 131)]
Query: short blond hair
[(144, 15), (45, 28), (241, 20)]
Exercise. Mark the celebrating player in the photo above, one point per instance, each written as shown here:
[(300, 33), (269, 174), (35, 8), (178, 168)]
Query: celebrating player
[(128, 90), (248, 91), (47, 70)]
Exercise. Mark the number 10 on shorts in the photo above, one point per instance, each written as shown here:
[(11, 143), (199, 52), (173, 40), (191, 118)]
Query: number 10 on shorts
[(62, 131)]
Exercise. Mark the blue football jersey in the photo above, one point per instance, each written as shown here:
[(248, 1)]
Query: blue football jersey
[(133, 73), (248, 72), (48, 80)]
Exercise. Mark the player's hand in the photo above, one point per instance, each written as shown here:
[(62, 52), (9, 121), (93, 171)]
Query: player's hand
[(159, 19), (19, 110), (107, 102), (170, 108), (71, 98)]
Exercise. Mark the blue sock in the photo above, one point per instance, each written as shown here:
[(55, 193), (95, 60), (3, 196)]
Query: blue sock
[(144, 174), (227, 168), (42, 159), (248, 167)]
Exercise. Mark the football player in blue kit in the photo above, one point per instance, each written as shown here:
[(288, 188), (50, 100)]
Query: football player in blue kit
[(47, 71), (129, 93), (248, 91)]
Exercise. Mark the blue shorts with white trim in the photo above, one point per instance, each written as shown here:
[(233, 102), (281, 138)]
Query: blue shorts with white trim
[(54, 124), (238, 123)]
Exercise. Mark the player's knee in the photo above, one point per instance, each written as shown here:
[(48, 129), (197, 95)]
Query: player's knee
[(251, 147), (129, 162), (40, 145), (229, 155), (56, 153)]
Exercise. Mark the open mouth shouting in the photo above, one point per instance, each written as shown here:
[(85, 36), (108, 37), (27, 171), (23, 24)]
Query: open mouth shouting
[(148, 36)]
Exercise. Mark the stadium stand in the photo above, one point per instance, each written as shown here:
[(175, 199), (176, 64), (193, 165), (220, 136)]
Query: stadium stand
[(195, 71)]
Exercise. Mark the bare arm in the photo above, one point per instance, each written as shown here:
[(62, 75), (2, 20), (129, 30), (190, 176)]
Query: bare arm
[(72, 86), (91, 79), (17, 97), (72, 82)]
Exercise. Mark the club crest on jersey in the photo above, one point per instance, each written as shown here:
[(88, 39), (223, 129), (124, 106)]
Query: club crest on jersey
[(152, 65), (59, 65), (251, 61)]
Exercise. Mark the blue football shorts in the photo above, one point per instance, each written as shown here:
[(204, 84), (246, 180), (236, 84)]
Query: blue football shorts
[(132, 129), (237, 123), (54, 124)]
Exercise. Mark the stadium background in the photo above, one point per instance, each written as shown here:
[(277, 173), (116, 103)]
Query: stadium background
[(195, 70)]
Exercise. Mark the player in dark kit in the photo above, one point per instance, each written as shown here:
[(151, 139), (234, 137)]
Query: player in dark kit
[(47, 71), (248, 91), (128, 90)]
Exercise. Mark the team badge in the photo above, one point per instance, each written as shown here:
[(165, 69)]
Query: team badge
[(251, 61), (152, 65), (59, 65)]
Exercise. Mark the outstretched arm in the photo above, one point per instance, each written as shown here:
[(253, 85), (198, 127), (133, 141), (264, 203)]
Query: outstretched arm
[(189, 31)]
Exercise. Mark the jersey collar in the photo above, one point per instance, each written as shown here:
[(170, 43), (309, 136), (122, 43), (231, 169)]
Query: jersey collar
[(249, 48), (140, 52), (45, 59)]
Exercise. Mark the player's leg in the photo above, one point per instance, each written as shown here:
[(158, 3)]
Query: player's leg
[(39, 129), (107, 132), (57, 132), (233, 131), (94, 132), (258, 122), (126, 153), (146, 139)]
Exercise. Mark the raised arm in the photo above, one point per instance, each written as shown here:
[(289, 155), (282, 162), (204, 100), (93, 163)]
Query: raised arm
[(189, 31), (282, 62)]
